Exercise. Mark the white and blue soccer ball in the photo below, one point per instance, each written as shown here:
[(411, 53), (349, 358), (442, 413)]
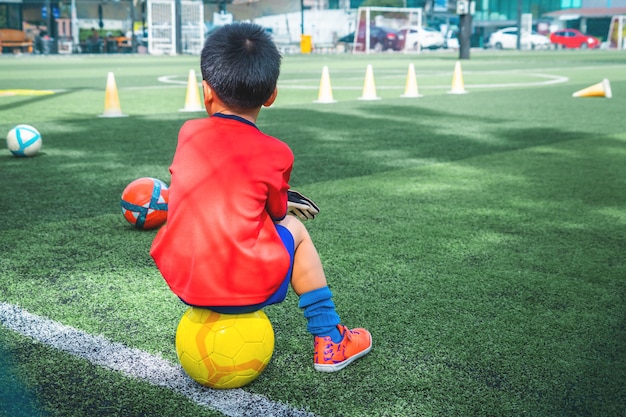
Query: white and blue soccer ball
[(24, 140)]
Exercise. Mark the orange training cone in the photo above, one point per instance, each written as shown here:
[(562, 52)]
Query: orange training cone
[(411, 84), (192, 98), (369, 87), (602, 89), (111, 99), (458, 87), (326, 92)]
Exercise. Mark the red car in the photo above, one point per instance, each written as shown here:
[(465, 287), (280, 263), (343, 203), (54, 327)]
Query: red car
[(572, 38)]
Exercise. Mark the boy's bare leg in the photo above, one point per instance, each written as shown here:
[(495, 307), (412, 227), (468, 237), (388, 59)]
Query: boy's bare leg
[(308, 272), (335, 346)]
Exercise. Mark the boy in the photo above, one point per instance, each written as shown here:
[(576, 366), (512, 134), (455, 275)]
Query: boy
[(228, 244)]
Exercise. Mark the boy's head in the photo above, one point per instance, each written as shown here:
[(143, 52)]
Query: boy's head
[(241, 64)]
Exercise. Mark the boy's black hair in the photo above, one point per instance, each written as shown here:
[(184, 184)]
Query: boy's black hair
[(241, 64)]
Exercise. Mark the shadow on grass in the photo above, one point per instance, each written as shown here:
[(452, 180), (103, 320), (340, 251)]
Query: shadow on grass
[(82, 171), (391, 137), (25, 101), (467, 285)]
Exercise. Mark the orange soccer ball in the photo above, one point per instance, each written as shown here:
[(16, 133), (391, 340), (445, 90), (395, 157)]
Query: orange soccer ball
[(144, 203)]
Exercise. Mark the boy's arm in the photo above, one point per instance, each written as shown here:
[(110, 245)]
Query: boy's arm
[(301, 206), (276, 204)]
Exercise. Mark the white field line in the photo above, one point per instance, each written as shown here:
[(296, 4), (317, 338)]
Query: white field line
[(549, 79), (138, 364)]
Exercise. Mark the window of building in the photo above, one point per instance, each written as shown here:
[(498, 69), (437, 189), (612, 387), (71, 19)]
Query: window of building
[(11, 16), (571, 4)]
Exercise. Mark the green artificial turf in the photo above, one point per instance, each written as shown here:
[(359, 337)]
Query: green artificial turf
[(48, 383), (479, 237)]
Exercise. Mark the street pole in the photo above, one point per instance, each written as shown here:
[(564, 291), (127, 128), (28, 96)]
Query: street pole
[(178, 21), (49, 18), (519, 25), (133, 38), (464, 10), (301, 17), (74, 26)]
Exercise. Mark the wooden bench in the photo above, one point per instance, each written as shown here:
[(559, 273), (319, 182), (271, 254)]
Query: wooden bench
[(14, 38)]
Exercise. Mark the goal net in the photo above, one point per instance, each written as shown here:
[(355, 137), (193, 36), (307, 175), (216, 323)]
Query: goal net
[(161, 19), (380, 28)]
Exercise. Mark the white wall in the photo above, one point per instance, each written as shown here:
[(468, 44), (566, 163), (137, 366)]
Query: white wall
[(324, 26)]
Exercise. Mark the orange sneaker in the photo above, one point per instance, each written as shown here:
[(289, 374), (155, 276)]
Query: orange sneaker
[(331, 357)]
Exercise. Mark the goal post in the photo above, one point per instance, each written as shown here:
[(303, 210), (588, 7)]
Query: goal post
[(161, 20), (617, 32), (394, 18)]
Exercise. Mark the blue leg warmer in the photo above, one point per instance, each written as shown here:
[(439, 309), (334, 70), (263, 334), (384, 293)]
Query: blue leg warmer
[(319, 310)]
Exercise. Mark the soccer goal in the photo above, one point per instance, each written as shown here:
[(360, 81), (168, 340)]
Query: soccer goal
[(161, 19), (617, 32), (384, 28)]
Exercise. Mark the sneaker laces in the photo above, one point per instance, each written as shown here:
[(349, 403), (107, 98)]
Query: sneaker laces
[(345, 332)]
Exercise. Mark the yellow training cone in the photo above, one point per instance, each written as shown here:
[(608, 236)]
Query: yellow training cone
[(411, 84), (602, 89), (458, 87), (326, 92), (192, 98), (369, 87), (111, 99)]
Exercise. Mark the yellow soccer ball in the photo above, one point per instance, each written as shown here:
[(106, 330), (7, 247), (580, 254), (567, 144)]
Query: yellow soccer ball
[(224, 351)]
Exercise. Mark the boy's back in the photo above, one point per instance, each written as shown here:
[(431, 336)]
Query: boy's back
[(229, 183)]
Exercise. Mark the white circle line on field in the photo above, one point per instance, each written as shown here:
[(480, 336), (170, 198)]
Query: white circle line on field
[(172, 79), (138, 364), (551, 79)]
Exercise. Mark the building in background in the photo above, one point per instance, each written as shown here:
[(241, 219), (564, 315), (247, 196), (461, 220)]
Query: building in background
[(63, 22), (593, 17), (590, 16)]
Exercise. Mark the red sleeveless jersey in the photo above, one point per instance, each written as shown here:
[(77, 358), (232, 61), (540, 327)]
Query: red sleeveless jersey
[(229, 184)]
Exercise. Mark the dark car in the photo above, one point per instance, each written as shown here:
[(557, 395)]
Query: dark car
[(381, 39), (572, 38)]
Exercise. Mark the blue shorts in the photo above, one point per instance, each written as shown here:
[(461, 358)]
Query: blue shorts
[(281, 293)]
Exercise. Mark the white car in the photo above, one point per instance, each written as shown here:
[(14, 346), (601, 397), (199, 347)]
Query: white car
[(507, 39), (452, 40), (414, 37)]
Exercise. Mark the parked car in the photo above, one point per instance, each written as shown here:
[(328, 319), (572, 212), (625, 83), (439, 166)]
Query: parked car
[(507, 39), (381, 39), (412, 37), (538, 41), (572, 38), (451, 40)]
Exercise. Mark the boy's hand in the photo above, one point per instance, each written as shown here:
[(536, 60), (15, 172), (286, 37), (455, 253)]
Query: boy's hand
[(300, 206)]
